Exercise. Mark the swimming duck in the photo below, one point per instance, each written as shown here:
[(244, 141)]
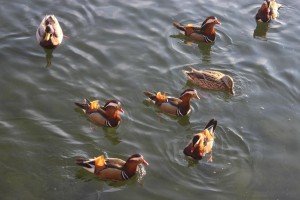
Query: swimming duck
[(202, 143), (49, 34), (113, 169), (210, 79), (172, 105), (268, 11), (107, 115), (204, 33)]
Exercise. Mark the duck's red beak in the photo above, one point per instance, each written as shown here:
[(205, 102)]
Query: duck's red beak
[(217, 22), (145, 162), (121, 110)]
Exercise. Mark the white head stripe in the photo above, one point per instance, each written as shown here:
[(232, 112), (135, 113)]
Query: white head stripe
[(136, 158), (112, 104), (189, 92), (209, 21)]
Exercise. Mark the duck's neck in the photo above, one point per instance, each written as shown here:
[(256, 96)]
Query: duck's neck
[(130, 168), (113, 116), (209, 31), (185, 104)]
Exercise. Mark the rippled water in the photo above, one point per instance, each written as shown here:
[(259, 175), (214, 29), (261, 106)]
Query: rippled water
[(118, 49)]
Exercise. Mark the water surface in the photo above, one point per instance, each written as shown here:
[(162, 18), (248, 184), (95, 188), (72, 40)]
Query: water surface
[(118, 49)]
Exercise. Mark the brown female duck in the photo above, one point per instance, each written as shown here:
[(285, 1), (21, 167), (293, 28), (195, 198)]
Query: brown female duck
[(172, 105), (204, 33), (107, 115), (49, 34), (113, 169), (268, 11), (209, 79), (202, 143)]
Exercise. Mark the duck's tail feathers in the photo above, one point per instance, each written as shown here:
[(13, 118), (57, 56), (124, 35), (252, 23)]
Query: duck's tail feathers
[(84, 105), (88, 165), (189, 72), (151, 95), (179, 26), (211, 125)]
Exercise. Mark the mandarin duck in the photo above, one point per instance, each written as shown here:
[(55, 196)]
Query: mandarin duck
[(268, 11), (107, 115), (204, 33), (210, 79), (172, 105), (113, 169), (49, 34), (202, 143)]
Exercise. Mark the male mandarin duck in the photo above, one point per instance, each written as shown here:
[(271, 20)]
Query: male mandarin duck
[(172, 105), (113, 169), (210, 79), (204, 33), (49, 34), (268, 11), (107, 115), (202, 143)]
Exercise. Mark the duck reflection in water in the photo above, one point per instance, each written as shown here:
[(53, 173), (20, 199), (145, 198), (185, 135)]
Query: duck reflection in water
[(112, 135), (261, 30), (49, 56), (204, 48)]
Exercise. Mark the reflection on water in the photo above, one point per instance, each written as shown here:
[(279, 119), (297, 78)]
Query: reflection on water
[(112, 135), (204, 48), (119, 48), (49, 56), (261, 30)]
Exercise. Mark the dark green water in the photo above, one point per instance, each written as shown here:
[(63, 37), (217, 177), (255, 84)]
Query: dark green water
[(118, 49)]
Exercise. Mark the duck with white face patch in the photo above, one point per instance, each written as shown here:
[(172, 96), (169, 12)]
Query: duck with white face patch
[(202, 143), (268, 11), (204, 33), (107, 115), (174, 106), (113, 169)]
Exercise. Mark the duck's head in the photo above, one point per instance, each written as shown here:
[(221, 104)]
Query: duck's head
[(189, 93), (113, 104), (229, 83), (263, 13), (198, 142), (137, 159), (48, 32), (211, 20), (49, 20)]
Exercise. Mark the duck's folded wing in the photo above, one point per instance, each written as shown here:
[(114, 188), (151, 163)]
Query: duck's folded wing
[(115, 163), (174, 101), (101, 111), (111, 174)]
